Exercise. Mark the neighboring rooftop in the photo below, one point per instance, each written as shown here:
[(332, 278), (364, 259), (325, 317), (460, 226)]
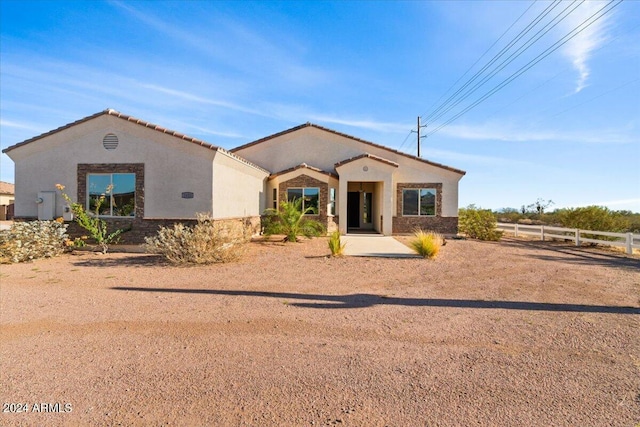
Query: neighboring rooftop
[(7, 188)]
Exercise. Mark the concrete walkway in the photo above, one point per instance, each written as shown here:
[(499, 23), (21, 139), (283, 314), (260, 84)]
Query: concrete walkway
[(375, 246)]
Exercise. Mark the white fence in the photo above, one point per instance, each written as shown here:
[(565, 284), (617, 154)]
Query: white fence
[(629, 241)]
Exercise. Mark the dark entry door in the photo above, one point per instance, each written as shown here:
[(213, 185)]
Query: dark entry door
[(353, 209)]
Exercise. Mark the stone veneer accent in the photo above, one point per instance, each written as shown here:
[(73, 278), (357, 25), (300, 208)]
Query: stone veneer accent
[(137, 226), (302, 181), (407, 224)]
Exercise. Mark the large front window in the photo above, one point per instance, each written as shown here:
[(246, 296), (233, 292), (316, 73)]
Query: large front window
[(115, 193), (419, 202), (310, 198)]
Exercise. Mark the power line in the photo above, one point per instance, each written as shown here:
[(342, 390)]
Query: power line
[(405, 140), (534, 61), (611, 40), (595, 97), (527, 45), (498, 55), (481, 56)]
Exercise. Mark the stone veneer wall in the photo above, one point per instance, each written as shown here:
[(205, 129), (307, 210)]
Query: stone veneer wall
[(137, 226), (302, 181), (407, 224)]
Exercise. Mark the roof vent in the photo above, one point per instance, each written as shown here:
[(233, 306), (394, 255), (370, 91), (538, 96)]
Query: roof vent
[(110, 141)]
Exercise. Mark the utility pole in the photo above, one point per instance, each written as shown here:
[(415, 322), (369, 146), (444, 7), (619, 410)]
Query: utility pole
[(418, 132)]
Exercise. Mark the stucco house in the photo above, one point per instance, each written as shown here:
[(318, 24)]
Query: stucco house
[(7, 196), (160, 176)]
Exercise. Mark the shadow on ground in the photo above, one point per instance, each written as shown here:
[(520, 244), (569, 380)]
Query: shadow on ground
[(565, 253), (132, 260), (370, 300)]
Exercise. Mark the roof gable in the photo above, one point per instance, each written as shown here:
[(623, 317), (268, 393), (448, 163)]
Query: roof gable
[(344, 135), (143, 123), (367, 156), (302, 166), (114, 113)]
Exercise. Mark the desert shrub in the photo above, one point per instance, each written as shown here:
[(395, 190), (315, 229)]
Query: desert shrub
[(478, 223), (426, 243), (335, 245), (91, 221), (290, 220), (207, 242), (27, 241), (596, 218)]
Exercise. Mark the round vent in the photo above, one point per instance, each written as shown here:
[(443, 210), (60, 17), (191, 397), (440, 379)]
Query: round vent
[(110, 141)]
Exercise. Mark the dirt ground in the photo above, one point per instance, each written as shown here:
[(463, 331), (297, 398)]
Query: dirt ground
[(515, 333)]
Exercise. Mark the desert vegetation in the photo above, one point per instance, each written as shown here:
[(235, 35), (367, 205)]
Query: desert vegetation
[(290, 220), (207, 242), (426, 243), (91, 221), (335, 244), (597, 218), (26, 241), (478, 223)]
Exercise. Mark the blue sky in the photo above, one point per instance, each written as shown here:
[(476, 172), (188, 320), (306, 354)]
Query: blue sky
[(567, 129)]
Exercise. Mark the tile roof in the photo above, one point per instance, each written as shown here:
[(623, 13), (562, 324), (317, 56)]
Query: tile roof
[(118, 114), (302, 166), (112, 112), (7, 188), (312, 125), (367, 156)]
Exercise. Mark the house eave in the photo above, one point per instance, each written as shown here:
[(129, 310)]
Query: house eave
[(382, 147)]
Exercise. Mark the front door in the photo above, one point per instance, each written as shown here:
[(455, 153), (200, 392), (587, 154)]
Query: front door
[(353, 209)]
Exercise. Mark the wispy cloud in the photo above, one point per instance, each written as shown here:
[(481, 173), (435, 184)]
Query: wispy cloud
[(224, 38), (578, 50), (368, 124), (514, 133), (478, 159), (196, 98), (23, 126)]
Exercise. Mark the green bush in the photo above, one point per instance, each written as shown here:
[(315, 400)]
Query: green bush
[(478, 223), (426, 243), (595, 218), (26, 241), (207, 242), (290, 220), (335, 245), (92, 222)]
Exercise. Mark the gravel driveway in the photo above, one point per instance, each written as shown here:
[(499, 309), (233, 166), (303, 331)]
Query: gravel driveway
[(515, 333)]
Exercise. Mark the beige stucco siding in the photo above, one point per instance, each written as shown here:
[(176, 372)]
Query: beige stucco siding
[(238, 189), (309, 145), (6, 199), (323, 150), (172, 166), (413, 171)]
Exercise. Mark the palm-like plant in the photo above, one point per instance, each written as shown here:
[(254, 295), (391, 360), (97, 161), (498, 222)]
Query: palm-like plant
[(290, 220)]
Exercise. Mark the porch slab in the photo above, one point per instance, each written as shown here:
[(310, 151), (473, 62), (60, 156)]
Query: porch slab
[(369, 245)]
